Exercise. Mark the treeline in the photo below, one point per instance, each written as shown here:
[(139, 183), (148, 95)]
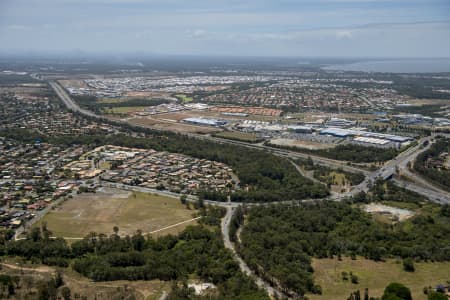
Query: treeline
[(263, 176), (14, 79), (278, 242), (422, 87), (325, 174), (348, 152), (394, 291), (358, 154), (388, 191), (440, 176), (195, 252), (426, 110)]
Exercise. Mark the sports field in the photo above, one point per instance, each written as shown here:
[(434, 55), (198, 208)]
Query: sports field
[(184, 98), (130, 211), (375, 276)]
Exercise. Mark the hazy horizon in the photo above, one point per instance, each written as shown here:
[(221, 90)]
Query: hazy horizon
[(230, 28)]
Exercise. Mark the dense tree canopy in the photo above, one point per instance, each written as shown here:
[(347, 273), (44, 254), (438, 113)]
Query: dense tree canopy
[(350, 152), (197, 252), (279, 241), (431, 163)]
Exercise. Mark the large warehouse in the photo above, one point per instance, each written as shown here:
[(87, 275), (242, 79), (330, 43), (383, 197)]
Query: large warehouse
[(205, 122), (368, 138)]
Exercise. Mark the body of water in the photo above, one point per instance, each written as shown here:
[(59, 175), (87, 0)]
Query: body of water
[(396, 66)]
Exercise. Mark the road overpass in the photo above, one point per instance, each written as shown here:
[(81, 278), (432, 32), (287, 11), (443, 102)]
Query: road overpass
[(385, 172)]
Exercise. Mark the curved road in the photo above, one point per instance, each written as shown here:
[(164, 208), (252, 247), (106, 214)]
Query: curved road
[(387, 171), (225, 226)]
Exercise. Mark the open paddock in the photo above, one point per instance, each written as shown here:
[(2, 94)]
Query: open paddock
[(124, 109), (375, 276), (166, 123), (301, 144), (241, 136), (130, 211), (212, 114)]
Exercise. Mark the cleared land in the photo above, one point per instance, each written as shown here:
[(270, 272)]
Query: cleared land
[(123, 110), (165, 124), (235, 135), (101, 211), (375, 276), (174, 120), (302, 144), (210, 114), (401, 214), (30, 275)]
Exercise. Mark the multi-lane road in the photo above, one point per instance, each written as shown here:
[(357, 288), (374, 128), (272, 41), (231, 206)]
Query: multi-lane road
[(73, 106), (69, 103), (385, 172)]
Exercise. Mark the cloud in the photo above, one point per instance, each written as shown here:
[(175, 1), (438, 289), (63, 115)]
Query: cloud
[(16, 27), (344, 35), (261, 27), (198, 33)]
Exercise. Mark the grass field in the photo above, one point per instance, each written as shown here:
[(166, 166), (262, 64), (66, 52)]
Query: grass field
[(375, 276), (123, 110), (241, 136), (339, 178), (184, 98), (301, 144), (101, 211)]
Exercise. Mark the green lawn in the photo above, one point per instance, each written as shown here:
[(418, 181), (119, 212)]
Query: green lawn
[(100, 212), (184, 98)]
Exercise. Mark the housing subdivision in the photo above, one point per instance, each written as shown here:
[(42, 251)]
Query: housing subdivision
[(152, 169)]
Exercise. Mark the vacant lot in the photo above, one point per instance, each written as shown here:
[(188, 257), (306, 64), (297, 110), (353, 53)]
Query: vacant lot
[(124, 110), (375, 276), (301, 144), (101, 211), (401, 214), (172, 125), (241, 136)]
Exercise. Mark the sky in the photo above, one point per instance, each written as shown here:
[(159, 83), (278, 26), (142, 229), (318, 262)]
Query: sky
[(300, 28)]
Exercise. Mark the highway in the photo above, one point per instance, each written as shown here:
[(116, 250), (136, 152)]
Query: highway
[(73, 106), (387, 171), (70, 104), (389, 168), (434, 196)]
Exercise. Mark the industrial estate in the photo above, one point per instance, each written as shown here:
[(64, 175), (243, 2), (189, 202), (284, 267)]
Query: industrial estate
[(125, 177)]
